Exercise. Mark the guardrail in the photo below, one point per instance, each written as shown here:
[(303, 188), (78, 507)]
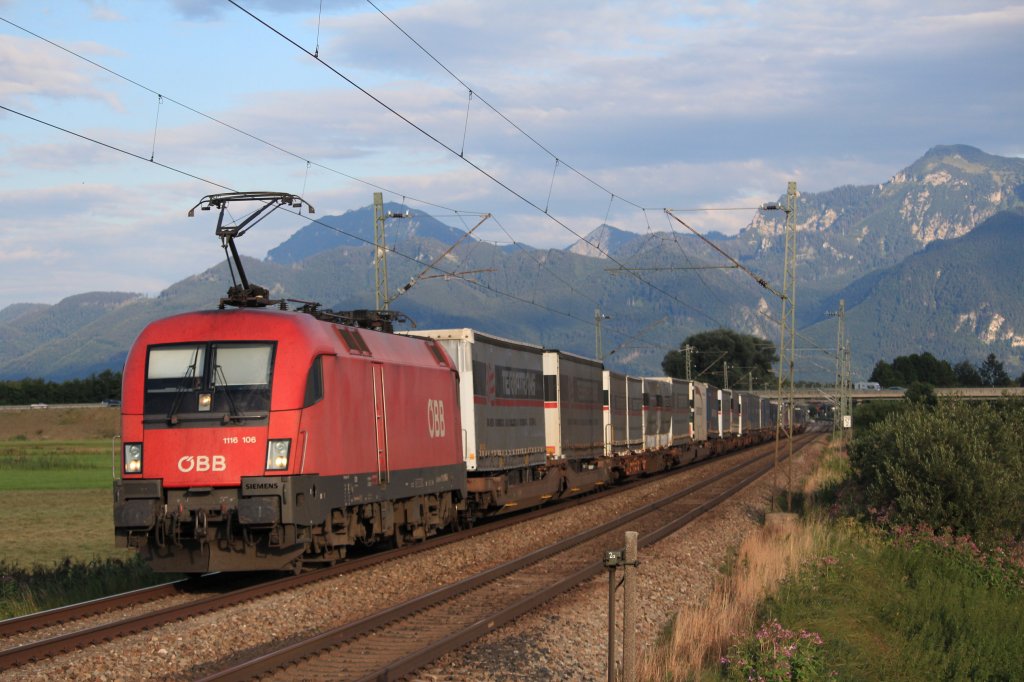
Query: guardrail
[(824, 393), (53, 406)]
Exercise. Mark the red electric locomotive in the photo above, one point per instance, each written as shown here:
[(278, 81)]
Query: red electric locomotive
[(262, 439)]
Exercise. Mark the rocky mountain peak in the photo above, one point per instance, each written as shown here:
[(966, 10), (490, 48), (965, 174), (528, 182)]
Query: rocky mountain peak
[(601, 241)]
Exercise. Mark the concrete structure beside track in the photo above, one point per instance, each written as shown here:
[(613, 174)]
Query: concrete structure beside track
[(817, 394)]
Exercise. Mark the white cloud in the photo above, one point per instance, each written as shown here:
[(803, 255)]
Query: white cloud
[(33, 69)]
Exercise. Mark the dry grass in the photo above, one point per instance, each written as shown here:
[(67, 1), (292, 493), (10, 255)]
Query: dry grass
[(702, 634), (832, 469), (43, 526), (37, 528), (60, 423)]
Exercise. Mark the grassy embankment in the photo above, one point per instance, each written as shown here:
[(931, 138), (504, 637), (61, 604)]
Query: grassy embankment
[(864, 588), (56, 523)]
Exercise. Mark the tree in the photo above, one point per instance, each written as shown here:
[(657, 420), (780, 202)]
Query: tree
[(906, 369), (967, 375), (884, 374), (749, 358), (92, 389), (992, 372)]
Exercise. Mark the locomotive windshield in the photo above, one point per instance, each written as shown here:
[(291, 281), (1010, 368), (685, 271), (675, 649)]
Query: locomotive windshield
[(208, 382)]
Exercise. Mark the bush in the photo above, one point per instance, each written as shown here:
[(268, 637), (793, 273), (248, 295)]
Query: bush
[(959, 465), (26, 591), (908, 605), (872, 412), (921, 392), (776, 654)]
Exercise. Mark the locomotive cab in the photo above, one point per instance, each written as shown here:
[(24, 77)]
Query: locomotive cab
[(261, 439)]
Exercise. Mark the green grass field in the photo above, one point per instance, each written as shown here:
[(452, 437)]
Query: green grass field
[(55, 487), (56, 511), (55, 465)]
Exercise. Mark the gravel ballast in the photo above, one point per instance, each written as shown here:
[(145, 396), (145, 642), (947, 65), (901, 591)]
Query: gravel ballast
[(564, 641)]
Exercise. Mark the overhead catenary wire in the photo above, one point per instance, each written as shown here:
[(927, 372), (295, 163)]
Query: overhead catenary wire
[(558, 161), (308, 163), (228, 188), (508, 188), (490, 106), (162, 98), (115, 148), (760, 280), (429, 266), (540, 264)]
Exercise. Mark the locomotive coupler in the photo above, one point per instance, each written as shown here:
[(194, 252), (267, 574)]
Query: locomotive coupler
[(199, 527)]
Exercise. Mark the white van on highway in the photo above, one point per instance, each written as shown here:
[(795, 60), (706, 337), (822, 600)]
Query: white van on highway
[(867, 386)]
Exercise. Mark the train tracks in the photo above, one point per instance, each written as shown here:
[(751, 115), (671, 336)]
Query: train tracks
[(397, 641), (451, 614), (195, 603)]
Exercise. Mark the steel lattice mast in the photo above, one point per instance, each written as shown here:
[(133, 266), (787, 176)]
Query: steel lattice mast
[(840, 399), (787, 348), (380, 253)]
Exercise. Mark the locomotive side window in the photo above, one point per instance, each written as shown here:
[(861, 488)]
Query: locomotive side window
[(436, 352), (314, 383)]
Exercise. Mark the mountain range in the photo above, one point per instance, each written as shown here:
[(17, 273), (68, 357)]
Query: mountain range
[(928, 261)]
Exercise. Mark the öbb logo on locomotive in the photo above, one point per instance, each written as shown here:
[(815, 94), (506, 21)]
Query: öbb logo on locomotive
[(331, 405), (199, 463), (435, 418)]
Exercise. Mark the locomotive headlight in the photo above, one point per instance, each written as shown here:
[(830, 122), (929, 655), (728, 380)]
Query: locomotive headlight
[(205, 402), (277, 454), (133, 458)]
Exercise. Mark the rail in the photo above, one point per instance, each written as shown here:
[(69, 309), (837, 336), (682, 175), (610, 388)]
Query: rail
[(399, 640)]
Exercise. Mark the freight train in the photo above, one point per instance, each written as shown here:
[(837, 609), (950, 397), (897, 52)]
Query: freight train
[(259, 438)]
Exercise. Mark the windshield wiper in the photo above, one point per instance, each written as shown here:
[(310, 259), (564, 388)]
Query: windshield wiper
[(187, 379), (235, 412)]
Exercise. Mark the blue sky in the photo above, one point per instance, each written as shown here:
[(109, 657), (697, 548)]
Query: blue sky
[(658, 104)]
